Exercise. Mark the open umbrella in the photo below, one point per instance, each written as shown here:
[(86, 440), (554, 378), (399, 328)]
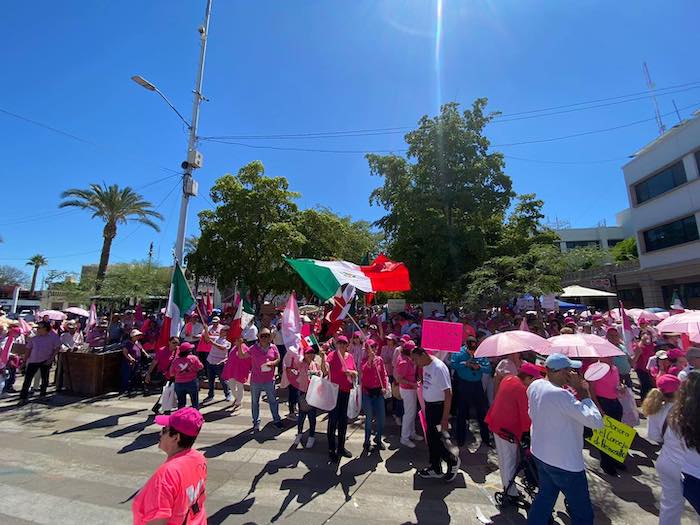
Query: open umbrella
[(581, 345), (506, 343), (642, 315), (54, 315), (82, 312), (685, 323)]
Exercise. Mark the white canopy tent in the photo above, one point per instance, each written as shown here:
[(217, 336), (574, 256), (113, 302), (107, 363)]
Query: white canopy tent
[(582, 291)]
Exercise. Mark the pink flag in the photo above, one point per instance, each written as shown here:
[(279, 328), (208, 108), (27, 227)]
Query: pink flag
[(138, 313), (210, 306), (627, 336), (524, 326), (24, 327), (92, 318), (5, 352), (291, 325)]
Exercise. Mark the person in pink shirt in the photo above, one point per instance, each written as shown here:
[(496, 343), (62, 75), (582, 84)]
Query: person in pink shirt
[(340, 367), (237, 371), (644, 350), (604, 394), (264, 359), (175, 493), (184, 369), (301, 371), (374, 383), (405, 373)]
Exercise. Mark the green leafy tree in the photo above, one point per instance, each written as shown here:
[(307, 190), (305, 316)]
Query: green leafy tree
[(11, 276), (446, 201), (625, 250), (584, 258), (37, 261), (114, 206)]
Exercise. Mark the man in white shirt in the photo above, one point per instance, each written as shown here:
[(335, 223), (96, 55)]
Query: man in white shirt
[(216, 359), (250, 333), (437, 394), (556, 434)]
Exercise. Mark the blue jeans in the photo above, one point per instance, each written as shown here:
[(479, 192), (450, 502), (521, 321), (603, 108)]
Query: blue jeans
[(374, 409), (212, 372), (191, 388), (301, 416), (691, 491), (269, 388), (574, 485)]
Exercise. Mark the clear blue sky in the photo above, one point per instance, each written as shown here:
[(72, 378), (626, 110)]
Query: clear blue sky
[(309, 66)]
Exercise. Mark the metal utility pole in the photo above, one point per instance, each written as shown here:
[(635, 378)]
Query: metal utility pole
[(652, 87), (194, 158)]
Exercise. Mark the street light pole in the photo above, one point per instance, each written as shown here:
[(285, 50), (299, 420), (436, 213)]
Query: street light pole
[(189, 185)]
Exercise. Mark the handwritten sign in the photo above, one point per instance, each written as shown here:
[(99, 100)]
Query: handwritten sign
[(396, 305), (442, 336), (614, 439)]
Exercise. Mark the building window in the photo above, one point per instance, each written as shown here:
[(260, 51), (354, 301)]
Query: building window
[(631, 297), (572, 245), (676, 232), (613, 242), (662, 182)]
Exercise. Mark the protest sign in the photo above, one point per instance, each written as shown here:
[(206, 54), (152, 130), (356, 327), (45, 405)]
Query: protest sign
[(614, 439), (396, 305), (441, 336), (429, 308)]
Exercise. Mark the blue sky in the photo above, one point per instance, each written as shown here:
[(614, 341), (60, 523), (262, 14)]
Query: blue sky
[(290, 67)]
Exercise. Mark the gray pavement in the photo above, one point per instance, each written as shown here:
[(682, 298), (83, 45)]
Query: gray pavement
[(68, 460)]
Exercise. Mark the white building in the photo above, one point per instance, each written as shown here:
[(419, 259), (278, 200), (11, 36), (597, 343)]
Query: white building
[(663, 189), (603, 237)]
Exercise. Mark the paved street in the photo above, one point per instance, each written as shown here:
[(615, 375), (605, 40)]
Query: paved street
[(71, 460)]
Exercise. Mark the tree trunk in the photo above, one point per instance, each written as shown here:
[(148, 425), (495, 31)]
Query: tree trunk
[(36, 271), (109, 232)]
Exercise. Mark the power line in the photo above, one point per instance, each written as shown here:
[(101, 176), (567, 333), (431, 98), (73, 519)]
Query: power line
[(309, 150)]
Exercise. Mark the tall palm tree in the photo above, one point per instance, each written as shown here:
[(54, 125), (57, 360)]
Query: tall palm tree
[(37, 261), (114, 206)]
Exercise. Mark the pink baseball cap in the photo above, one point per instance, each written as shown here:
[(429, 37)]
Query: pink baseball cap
[(530, 369), (569, 320), (309, 350), (185, 346), (187, 421), (391, 336), (357, 334), (409, 345), (371, 342), (341, 339), (668, 383), (675, 353), (405, 337)]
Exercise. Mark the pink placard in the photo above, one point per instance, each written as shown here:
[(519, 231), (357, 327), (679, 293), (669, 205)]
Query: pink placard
[(440, 335)]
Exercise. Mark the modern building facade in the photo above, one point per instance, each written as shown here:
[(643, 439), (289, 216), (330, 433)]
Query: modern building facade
[(603, 237)]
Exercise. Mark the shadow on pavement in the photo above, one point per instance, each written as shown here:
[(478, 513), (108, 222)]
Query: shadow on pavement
[(142, 441), (266, 433), (105, 422)]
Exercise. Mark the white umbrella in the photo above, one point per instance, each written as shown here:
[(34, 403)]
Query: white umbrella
[(512, 342), (581, 345), (685, 323), (82, 312), (54, 315)]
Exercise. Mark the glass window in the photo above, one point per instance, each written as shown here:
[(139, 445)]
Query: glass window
[(572, 245), (613, 242), (662, 182), (676, 232)]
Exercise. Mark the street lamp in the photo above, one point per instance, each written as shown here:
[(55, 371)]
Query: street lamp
[(194, 158)]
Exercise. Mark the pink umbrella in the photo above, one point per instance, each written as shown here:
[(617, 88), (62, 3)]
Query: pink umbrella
[(54, 315), (82, 312), (506, 343), (642, 315), (582, 345), (685, 323), (663, 315)]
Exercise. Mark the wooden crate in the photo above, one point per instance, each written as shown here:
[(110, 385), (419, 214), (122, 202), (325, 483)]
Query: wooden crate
[(91, 374)]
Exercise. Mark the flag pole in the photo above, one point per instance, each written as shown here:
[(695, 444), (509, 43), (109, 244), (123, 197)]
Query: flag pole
[(364, 336)]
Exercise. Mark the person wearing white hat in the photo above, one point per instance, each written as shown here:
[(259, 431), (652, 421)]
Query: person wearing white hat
[(71, 340), (133, 352)]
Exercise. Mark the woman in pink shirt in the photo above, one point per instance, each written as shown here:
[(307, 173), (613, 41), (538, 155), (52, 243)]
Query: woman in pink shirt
[(340, 367), (405, 374), (374, 384), (184, 369), (604, 394), (237, 371), (302, 371), (644, 350)]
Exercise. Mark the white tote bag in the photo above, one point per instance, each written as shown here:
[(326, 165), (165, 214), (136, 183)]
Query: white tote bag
[(321, 393), (355, 401), (168, 399)]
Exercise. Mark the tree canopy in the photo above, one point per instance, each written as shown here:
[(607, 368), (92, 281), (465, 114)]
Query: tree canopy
[(625, 250), (10, 276)]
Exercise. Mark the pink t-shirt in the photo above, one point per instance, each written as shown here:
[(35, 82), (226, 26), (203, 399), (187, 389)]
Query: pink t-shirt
[(337, 368), (406, 369), (373, 374), (302, 377), (237, 368), (163, 357), (185, 369), (173, 489), (606, 386), (258, 358)]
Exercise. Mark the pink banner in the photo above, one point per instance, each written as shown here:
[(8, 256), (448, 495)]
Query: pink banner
[(442, 336)]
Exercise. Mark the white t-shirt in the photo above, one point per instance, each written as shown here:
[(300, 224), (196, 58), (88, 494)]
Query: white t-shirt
[(677, 453), (250, 332), (655, 423), (558, 419), (436, 379)]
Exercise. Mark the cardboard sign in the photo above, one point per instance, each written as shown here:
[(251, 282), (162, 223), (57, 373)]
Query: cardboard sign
[(442, 336), (614, 439), (396, 305)]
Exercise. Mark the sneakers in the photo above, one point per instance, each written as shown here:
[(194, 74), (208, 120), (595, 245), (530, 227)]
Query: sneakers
[(397, 420), (297, 440), (229, 398), (310, 442), (366, 446), (452, 471), (333, 457), (408, 443), (429, 473), (416, 437), (256, 427), (379, 445), (207, 399)]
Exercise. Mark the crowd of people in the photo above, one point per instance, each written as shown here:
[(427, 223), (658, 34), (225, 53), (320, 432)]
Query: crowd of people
[(522, 403)]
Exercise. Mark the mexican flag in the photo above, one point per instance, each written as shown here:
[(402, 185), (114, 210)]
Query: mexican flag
[(180, 302), (676, 303), (325, 277), (309, 341), (342, 300)]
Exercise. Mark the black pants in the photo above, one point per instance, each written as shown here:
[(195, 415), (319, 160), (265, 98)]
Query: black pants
[(612, 408), (471, 394), (338, 421), (437, 450), (645, 383), (32, 369), (293, 399)]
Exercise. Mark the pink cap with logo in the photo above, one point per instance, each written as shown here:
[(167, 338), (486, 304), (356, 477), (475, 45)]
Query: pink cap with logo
[(187, 421)]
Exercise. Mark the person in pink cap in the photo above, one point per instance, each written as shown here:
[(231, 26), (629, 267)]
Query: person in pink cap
[(357, 347), (658, 404), (374, 383), (184, 369), (678, 360), (175, 493), (301, 371), (406, 375)]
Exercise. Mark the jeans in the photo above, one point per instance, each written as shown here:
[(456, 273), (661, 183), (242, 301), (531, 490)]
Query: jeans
[(437, 450), (691, 491), (128, 375), (408, 421), (338, 423), (214, 371), (646, 383), (293, 399), (574, 485), (612, 408), (269, 388), (374, 409), (311, 414), (32, 369), (471, 393), (191, 388)]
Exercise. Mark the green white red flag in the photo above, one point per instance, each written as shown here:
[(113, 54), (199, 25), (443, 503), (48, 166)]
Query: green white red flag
[(180, 302)]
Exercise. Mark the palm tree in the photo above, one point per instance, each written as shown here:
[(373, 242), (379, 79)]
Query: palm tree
[(114, 206), (37, 261)]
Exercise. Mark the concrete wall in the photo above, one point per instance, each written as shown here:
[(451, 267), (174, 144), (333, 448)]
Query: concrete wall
[(601, 234)]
